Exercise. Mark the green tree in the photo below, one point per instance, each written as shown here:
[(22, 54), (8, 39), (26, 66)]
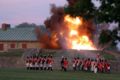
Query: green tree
[(26, 25), (109, 11), (105, 37)]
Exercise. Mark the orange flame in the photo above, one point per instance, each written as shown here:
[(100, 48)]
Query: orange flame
[(76, 39)]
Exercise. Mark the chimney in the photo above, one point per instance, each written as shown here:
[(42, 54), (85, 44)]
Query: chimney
[(5, 26)]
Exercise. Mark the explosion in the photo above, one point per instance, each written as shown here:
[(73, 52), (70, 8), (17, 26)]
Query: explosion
[(76, 39), (68, 32)]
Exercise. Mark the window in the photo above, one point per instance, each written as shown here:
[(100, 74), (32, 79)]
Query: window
[(24, 46), (1, 47), (12, 45)]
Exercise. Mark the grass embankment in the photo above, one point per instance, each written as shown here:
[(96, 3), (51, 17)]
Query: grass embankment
[(16, 53), (108, 56), (22, 74), (19, 53)]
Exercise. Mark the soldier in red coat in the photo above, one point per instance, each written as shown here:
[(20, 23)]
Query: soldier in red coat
[(50, 63), (74, 64), (40, 62), (85, 65), (61, 62), (44, 63), (100, 66), (98, 57), (36, 63), (107, 66), (33, 63), (27, 63), (65, 64), (30, 63), (78, 63), (89, 64)]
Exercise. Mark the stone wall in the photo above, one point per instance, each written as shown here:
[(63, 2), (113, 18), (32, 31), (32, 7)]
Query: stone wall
[(11, 62), (115, 66)]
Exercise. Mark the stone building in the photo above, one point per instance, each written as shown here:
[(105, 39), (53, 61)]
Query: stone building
[(17, 38)]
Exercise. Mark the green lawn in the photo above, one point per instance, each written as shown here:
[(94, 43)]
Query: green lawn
[(22, 74)]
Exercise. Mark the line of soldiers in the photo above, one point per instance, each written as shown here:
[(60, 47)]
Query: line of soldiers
[(46, 63), (39, 63), (91, 65)]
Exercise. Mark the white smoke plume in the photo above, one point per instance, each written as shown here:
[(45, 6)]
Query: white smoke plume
[(113, 26), (118, 46), (118, 34), (118, 41), (96, 3)]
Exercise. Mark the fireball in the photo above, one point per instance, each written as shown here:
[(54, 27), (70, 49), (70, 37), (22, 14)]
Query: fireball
[(76, 39)]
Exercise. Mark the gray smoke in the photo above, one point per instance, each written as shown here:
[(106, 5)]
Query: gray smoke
[(113, 26), (96, 3), (118, 43), (118, 46)]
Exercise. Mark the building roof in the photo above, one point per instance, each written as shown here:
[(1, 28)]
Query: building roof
[(18, 34)]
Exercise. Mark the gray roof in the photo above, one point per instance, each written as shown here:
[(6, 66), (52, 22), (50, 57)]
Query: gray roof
[(18, 34)]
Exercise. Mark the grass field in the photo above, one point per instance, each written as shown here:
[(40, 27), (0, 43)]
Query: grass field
[(22, 74)]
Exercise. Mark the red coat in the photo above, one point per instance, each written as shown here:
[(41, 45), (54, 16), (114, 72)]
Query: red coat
[(50, 61), (107, 66), (65, 63), (100, 66)]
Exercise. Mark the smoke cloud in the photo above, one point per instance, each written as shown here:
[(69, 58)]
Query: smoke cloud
[(71, 2), (118, 45), (57, 17), (113, 26), (56, 25)]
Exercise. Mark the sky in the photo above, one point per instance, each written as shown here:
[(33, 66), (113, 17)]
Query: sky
[(32, 11), (15, 12)]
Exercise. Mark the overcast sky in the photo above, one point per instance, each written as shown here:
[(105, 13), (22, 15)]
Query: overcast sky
[(33, 11)]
